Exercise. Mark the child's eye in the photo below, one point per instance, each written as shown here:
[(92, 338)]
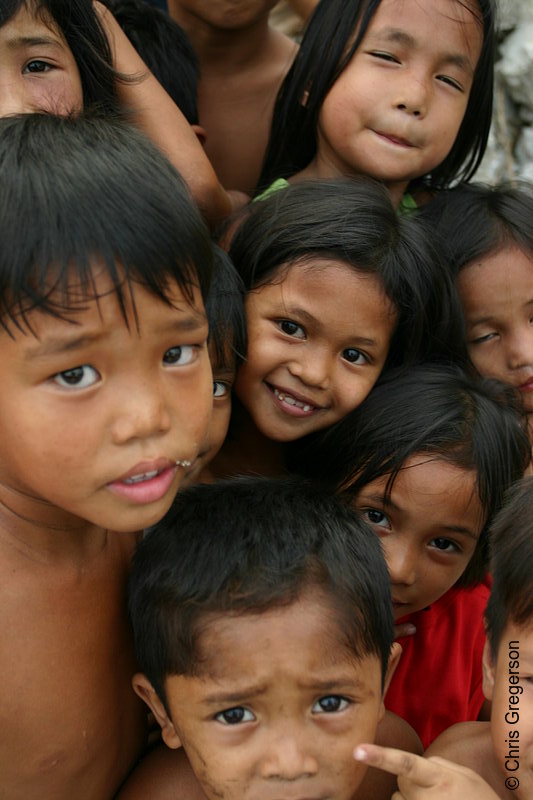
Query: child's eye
[(330, 704), (221, 388), (487, 337), (180, 356), (235, 716), (444, 545), (291, 328), (385, 57), (450, 82), (77, 377), (37, 66), (354, 356), (377, 518)]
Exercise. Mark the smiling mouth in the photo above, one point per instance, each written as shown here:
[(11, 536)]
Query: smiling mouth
[(145, 476)]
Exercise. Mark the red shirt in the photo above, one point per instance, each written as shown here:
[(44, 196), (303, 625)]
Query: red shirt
[(438, 681)]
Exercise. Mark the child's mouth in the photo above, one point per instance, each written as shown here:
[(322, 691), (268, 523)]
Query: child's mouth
[(292, 405)]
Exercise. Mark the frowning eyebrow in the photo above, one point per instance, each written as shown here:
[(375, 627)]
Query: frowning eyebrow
[(401, 37), (74, 340)]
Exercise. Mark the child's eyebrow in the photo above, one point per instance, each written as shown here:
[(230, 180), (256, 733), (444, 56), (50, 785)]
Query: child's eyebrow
[(401, 37), (32, 41), (56, 345)]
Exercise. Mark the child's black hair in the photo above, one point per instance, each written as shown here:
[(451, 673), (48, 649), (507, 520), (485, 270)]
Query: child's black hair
[(353, 220), (76, 190), (81, 28), (511, 543), (225, 310), (333, 34), (434, 409), (473, 220), (245, 546), (165, 49)]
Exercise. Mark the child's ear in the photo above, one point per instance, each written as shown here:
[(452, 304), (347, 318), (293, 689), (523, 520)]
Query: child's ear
[(146, 692), (489, 671), (395, 653)]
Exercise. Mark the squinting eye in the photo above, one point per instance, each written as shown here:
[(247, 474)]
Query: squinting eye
[(77, 377), (234, 716), (179, 356), (37, 66), (354, 356), (292, 329), (220, 388), (330, 704)]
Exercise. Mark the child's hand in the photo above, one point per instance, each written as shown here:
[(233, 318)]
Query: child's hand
[(425, 778)]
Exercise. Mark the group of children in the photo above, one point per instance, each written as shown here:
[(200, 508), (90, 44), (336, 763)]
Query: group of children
[(309, 439)]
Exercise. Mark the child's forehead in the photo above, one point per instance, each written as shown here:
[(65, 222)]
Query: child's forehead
[(97, 302), (311, 630)]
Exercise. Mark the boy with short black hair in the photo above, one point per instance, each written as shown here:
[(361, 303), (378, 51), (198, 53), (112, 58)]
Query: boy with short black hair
[(106, 395), (263, 625), (501, 751)]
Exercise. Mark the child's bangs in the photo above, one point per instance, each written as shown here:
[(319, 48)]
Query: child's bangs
[(78, 196)]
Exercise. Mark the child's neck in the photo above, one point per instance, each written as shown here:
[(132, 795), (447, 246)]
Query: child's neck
[(45, 534), (229, 50), (247, 451), (320, 170)]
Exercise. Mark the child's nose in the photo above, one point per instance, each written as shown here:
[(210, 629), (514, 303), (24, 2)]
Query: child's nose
[(412, 96), (520, 348), (401, 563), (141, 412), (312, 367), (288, 754)]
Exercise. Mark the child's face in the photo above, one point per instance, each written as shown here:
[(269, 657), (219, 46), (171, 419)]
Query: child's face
[(223, 14), (395, 111), (94, 414), (509, 684), (223, 379), (496, 294), (317, 341), (278, 707), (429, 528), (37, 69)]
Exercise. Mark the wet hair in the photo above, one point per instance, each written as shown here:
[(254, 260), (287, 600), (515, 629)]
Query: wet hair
[(245, 546), (328, 45), (225, 310), (81, 28), (437, 410), (473, 220), (76, 190), (353, 220), (165, 49), (511, 542)]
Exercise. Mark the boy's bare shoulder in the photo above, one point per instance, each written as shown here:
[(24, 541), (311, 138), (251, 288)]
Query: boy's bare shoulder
[(163, 774), (467, 743)]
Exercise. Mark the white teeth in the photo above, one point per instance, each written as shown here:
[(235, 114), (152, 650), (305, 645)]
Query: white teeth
[(291, 401), (146, 476)]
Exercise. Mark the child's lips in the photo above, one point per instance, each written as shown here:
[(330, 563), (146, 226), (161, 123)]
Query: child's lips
[(146, 482), (400, 141), (527, 386)]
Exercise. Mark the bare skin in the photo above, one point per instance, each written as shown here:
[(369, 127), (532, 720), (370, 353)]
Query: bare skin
[(241, 70), (73, 730), (470, 745), (159, 117)]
